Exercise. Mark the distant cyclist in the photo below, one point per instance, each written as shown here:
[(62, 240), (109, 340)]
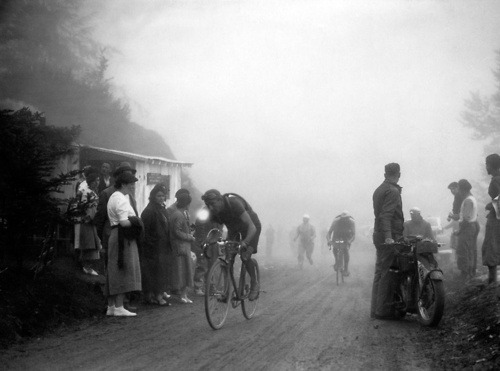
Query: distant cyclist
[(306, 234), (343, 228)]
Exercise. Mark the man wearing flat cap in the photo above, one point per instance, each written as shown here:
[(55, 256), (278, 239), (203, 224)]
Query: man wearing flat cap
[(388, 210), (417, 226), (468, 229), (238, 216)]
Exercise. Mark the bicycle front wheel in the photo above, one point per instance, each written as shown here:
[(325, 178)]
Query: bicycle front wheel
[(249, 307), (217, 294)]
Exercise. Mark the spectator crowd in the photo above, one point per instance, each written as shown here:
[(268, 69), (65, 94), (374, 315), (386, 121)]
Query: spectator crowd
[(158, 253)]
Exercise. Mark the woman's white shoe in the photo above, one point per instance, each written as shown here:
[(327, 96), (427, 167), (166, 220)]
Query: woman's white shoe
[(110, 311), (122, 312)]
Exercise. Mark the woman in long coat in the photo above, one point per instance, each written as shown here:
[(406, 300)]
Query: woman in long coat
[(156, 247), (124, 271), (180, 238)]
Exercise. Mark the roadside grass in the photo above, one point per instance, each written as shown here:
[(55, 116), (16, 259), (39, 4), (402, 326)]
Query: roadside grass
[(469, 335)]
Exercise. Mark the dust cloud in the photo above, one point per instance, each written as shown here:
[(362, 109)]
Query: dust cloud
[(298, 105)]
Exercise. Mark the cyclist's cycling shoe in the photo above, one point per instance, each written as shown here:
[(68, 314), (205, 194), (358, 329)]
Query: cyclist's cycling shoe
[(254, 292), (346, 273), (335, 267)]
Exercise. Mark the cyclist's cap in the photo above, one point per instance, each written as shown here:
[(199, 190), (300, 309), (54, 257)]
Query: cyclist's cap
[(210, 195), (415, 210), (306, 216), (344, 214)]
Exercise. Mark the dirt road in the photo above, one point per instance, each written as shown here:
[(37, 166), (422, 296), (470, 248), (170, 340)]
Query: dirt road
[(304, 321)]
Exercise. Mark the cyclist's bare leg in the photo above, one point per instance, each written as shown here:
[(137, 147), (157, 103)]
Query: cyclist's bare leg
[(335, 254), (250, 266), (309, 252), (246, 258), (300, 257)]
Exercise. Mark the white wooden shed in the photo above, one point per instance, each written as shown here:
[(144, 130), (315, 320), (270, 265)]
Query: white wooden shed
[(150, 170)]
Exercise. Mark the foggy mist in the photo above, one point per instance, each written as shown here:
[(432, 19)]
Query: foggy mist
[(298, 105)]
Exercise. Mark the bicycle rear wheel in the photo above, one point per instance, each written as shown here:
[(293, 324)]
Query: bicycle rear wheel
[(217, 294), (340, 265), (337, 264), (249, 307)]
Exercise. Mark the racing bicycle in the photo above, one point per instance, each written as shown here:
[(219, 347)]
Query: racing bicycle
[(340, 248), (222, 287)]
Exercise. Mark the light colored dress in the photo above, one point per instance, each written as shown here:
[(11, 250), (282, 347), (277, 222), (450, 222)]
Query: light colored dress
[(181, 274), (128, 278)]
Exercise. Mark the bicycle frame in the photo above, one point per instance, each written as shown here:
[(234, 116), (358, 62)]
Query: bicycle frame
[(218, 291), (229, 250)]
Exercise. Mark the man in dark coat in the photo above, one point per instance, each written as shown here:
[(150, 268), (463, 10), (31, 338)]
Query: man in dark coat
[(388, 210)]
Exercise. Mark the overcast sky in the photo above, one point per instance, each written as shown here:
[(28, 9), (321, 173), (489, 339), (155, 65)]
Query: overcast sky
[(298, 105)]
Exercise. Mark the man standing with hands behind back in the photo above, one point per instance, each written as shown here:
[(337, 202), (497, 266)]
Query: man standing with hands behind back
[(388, 210)]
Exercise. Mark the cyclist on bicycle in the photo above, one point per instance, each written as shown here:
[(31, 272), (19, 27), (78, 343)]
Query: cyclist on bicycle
[(343, 228), (237, 215)]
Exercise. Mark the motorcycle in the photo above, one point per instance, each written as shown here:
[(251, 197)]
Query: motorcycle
[(419, 281)]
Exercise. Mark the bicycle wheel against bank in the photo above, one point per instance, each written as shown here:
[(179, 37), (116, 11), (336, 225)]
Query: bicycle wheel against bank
[(217, 294), (249, 307)]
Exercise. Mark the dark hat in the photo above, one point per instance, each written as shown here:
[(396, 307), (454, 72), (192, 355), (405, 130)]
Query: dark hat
[(464, 185), (125, 178), (453, 185), (123, 167), (210, 195), (493, 160), (392, 169)]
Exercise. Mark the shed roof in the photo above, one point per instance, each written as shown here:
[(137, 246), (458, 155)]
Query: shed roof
[(136, 156)]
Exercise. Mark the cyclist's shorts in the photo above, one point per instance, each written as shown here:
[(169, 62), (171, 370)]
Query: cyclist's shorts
[(255, 240)]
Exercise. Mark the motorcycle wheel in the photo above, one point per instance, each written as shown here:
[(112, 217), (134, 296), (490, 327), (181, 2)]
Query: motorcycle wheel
[(431, 303)]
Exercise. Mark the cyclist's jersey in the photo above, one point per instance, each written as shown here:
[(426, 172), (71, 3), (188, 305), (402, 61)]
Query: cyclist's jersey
[(343, 228), (230, 216), (306, 234)]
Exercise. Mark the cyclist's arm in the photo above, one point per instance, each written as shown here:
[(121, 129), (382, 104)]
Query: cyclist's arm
[(251, 229), (329, 236), (353, 232)]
